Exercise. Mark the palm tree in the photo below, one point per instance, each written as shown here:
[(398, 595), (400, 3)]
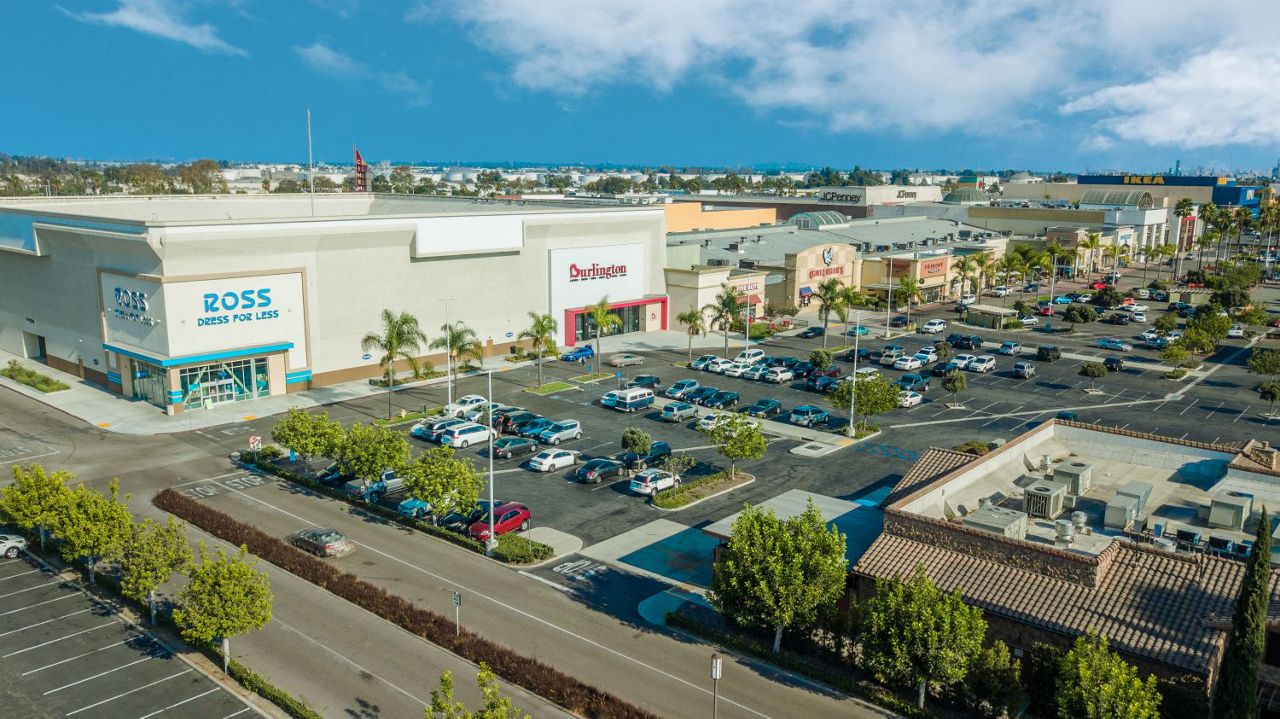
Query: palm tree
[(850, 298), (694, 323), (604, 320), (1091, 242), (908, 291), (1243, 220), (723, 311), (1040, 263), (1182, 210), (830, 294), (1111, 252), (1204, 243), (986, 270), (1055, 253), (541, 335), (400, 340), (965, 266), (1009, 264), (461, 343), (1143, 255)]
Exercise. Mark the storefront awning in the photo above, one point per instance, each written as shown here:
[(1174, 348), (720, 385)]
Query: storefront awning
[(163, 361), (806, 291)]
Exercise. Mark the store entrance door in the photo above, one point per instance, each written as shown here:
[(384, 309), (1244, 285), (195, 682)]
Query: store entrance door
[(217, 391)]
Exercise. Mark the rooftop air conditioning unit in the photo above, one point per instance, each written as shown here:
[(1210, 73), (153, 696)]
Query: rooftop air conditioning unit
[(735, 247), (1078, 476), (1045, 499), (747, 264), (998, 520), (1140, 491), (718, 262), (1229, 510)]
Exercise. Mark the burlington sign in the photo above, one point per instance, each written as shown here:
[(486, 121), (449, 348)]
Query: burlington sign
[(595, 271)]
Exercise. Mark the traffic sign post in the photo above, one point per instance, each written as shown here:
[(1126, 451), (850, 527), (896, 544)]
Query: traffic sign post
[(457, 614), (255, 444), (717, 666), (618, 374)]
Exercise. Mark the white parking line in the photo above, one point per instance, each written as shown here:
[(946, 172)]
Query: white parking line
[(47, 621), (236, 714), (20, 574), (80, 656), (95, 676), (184, 701), (55, 641), (135, 689), (1237, 419), (41, 585), (359, 668)]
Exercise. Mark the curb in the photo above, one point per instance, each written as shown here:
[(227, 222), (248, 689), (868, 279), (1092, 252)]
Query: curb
[(703, 499)]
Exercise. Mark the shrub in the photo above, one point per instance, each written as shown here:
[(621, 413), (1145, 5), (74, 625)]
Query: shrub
[(270, 452), (1012, 323), (973, 446), (524, 671), (517, 549), (1176, 373), (31, 378), (760, 330), (693, 490)]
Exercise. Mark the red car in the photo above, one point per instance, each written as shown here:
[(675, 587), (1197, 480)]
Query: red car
[(507, 518), (1046, 311), (1099, 285)]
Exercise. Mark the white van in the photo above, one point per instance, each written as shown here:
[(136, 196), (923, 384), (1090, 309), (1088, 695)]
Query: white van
[(465, 435), (630, 400), (750, 357)]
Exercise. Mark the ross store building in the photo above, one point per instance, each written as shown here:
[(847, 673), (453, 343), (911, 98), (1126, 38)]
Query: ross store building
[(190, 302)]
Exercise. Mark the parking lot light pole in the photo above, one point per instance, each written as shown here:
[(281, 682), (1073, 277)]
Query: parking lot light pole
[(853, 390), (492, 541), (448, 352), (888, 282)]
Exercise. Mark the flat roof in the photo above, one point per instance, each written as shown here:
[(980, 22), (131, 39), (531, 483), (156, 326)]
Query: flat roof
[(160, 210), (860, 523)]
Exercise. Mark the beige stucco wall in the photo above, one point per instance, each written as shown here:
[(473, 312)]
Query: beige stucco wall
[(686, 216)]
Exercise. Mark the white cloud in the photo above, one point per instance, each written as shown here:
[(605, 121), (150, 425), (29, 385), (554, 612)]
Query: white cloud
[(162, 19), (325, 59), (983, 67)]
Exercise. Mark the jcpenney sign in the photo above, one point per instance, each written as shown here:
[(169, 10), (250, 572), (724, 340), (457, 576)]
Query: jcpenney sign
[(595, 271)]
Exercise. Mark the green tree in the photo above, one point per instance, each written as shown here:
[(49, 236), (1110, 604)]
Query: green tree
[(402, 179), (1197, 341), (91, 526), (954, 383), (1167, 322), (34, 499), (636, 440), (694, 325), (460, 343), (738, 438), (224, 597), (966, 266), (442, 480), (1090, 245), (872, 396), (820, 359), (1210, 322), (1107, 297), (542, 337), (1237, 693), (1095, 683), (830, 296), (915, 634), (1094, 371), (400, 340), (908, 292), (604, 320), (496, 706), (778, 573), (203, 177), (367, 451), (1264, 362), (1079, 313), (308, 434), (1174, 354), (1269, 392), (149, 556), (723, 312), (944, 350), (993, 686)]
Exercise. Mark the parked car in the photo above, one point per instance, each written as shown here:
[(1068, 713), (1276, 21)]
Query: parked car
[(968, 299), (1236, 332), (756, 373), (969, 342), (386, 484), (764, 408), (507, 423), (460, 520), (633, 399), (722, 400), (625, 359), (679, 412), (820, 383), (1048, 353), (585, 352), (718, 365), (807, 415), (750, 356), (778, 375), (1113, 364), (802, 369), (1029, 321), (1046, 311), (11, 544), (1067, 414), (481, 412), (983, 364), (787, 362), (910, 399), (1111, 343), (1024, 370), (657, 454), (913, 382), (465, 435), (648, 381), (1098, 285), (413, 508), (962, 361), (609, 399), (701, 362), (1061, 300), (955, 337), (811, 332), (1142, 317), (908, 363), (862, 331), (507, 518), (933, 327), (735, 369), (431, 429), (1000, 291), (928, 353), (890, 357), (1158, 343), (462, 404), (680, 388), (322, 542), (941, 369), (596, 471), (1031, 287), (652, 481), (533, 428), (1009, 348), (710, 420), (561, 432), (701, 395), (1120, 318), (898, 321), (509, 447), (549, 460)]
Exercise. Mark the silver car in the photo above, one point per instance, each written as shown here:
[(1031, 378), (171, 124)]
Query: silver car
[(625, 359), (11, 544), (560, 432)]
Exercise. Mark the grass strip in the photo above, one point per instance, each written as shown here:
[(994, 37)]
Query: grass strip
[(535, 676), (588, 378), (407, 418), (692, 490), (549, 388), (31, 378)]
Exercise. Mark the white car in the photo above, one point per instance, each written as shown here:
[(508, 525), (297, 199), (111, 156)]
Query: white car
[(1000, 291), (750, 357), (1174, 335), (1236, 332), (1150, 335), (985, 363), (962, 361), (1140, 317), (735, 369), (625, 359), (778, 375), (1133, 308), (910, 399), (1084, 297), (552, 459), (476, 413), (933, 327), (462, 404), (701, 362), (11, 544), (465, 435), (1029, 321), (909, 363), (968, 299), (651, 481), (718, 365), (709, 421)]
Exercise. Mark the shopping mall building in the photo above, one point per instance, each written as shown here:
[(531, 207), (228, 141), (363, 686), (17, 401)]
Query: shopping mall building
[(189, 302)]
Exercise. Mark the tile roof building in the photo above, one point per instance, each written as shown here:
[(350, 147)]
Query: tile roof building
[(975, 525)]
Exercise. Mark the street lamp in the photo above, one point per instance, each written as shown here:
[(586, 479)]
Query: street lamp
[(888, 282), (492, 541), (448, 351), (717, 667), (853, 389)]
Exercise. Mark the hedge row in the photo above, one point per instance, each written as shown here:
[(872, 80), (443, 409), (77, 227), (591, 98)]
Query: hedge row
[(692, 490), (533, 675), (511, 549)]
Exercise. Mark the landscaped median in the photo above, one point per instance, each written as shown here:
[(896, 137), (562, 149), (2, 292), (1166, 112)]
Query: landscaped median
[(589, 378), (699, 489), (527, 672), (31, 378), (549, 388), (407, 417)]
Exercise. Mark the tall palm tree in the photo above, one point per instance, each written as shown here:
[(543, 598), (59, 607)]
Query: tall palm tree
[(1243, 221), (908, 291), (694, 325), (1210, 215), (1056, 253), (830, 295), (1112, 253), (1143, 255), (400, 340), (850, 298), (965, 266), (461, 343), (1204, 242), (986, 268), (1009, 264), (1040, 263), (723, 311), (1091, 242), (604, 320), (541, 335), (1182, 210)]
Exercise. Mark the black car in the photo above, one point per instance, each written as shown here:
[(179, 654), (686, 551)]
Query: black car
[(821, 383), (800, 370), (646, 381), (508, 447), (788, 362), (1048, 353), (700, 395), (1113, 364), (722, 400), (764, 408), (811, 332), (954, 337), (333, 476), (461, 521), (942, 368), (861, 355), (508, 423), (658, 452), (899, 321), (596, 470), (1120, 318), (968, 342)]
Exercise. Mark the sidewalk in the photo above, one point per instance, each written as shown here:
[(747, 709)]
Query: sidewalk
[(95, 405)]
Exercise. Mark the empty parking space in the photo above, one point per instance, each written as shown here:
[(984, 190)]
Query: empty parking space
[(18, 447), (65, 654)]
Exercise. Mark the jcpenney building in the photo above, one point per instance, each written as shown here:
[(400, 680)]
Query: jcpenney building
[(189, 302)]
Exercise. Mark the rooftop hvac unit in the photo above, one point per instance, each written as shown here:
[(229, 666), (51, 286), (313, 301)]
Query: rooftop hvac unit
[(718, 262), (1045, 499), (1064, 531), (998, 520), (1121, 511), (1229, 510), (1140, 491), (1078, 476), (747, 264), (735, 247)]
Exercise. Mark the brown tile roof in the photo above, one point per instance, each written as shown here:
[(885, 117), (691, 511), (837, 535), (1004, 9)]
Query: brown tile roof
[(934, 463), (1148, 604)]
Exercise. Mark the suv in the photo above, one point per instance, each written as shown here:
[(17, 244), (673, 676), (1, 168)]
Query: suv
[(561, 431), (658, 451), (806, 415), (1024, 370), (889, 356), (913, 382), (764, 408), (968, 342), (652, 481), (11, 544), (1048, 353), (679, 389), (679, 412), (933, 327)]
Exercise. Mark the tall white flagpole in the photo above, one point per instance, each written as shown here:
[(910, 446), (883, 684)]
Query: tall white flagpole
[(311, 169)]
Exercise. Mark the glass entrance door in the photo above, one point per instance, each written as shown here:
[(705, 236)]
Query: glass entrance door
[(217, 392)]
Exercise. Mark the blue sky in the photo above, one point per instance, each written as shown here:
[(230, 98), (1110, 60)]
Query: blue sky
[(1093, 84)]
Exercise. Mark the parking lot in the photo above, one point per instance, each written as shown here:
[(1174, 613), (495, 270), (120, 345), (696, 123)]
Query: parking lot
[(64, 654)]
